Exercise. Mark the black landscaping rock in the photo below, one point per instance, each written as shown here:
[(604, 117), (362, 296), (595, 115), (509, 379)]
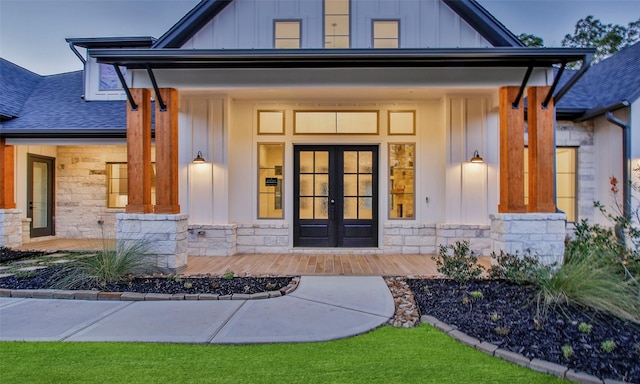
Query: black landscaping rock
[(506, 316)]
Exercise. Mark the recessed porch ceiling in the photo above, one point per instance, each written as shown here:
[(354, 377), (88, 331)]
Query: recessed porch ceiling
[(347, 95)]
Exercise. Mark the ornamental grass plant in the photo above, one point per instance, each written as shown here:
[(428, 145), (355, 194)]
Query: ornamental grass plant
[(113, 264)]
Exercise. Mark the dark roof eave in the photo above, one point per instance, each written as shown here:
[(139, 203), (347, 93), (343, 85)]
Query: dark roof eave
[(111, 42), (487, 25), (86, 133), (601, 110), (339, 58)]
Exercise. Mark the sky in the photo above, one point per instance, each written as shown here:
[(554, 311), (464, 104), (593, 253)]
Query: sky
[(33, 32)]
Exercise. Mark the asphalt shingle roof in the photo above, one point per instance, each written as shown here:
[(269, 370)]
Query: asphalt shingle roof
[(56, 103), (612, 80), (16, 84)]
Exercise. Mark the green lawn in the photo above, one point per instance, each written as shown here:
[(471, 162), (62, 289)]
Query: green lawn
[(386, 355)]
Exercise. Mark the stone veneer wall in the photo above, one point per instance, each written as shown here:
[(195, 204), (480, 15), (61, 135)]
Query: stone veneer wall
[(81, 190), (263, 238), (212, 240), (543, 234), (10, 228), (415, 238), (580, 135), (165, 235)]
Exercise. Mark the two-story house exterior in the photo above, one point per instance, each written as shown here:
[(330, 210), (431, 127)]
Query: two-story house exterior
[(387, 126)]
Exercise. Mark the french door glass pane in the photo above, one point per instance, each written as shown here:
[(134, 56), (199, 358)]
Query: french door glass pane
[(40, 196)]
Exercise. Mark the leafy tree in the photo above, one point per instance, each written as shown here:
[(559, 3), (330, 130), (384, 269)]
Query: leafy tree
[(606, 38), (531, 40)]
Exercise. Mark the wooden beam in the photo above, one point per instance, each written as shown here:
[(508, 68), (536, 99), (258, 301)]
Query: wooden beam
[(541, 152), (167, 153), (139, 153), (7, 175), (511, 152)]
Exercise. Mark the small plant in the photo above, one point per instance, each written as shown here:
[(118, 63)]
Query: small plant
[(178, 280), (502, 330), (458, 262), (271, 286), (513, 268), (608, 346), (494, 317), (466, 300), (171, 277), (215, 285), (228, 275), (425, 288), (187, 285), (247, 289), (585, 328), (567, 351), (476, 295), (538, 324)]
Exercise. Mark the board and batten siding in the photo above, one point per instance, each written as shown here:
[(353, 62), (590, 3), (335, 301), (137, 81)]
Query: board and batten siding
[(248, 24)]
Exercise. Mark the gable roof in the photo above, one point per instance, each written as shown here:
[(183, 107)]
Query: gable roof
[(472, 12), (55, 104), (16, 85), (606, 85)]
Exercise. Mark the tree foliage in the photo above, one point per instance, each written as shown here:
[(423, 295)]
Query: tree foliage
[(532, 41), (606, 38)]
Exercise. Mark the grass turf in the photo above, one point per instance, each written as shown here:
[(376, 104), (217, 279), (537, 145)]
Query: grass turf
[(385, 355)]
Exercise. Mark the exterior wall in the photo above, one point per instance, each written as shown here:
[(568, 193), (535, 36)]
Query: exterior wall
[(408, 238), (426, 23), (10, 228), (213, 240), (81, 191), (542, 234), (581, 136), (608, 159), (163, 236)]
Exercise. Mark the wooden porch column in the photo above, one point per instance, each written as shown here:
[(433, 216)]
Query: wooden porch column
[(139, 153), (7, 175), (511, 152), (167, 153), (541, 152)]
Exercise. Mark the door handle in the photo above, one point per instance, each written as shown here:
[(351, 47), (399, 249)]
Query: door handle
[(31, 205), (332, 209)]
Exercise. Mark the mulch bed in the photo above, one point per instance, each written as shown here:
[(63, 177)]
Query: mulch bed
[(46, 278), (8, 254), (505, 315)]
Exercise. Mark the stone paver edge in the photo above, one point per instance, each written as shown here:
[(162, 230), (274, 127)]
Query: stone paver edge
[(516, 358), (136, 296)]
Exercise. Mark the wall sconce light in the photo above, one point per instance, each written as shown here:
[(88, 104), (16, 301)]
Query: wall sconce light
[(200, 160), (476, 158)]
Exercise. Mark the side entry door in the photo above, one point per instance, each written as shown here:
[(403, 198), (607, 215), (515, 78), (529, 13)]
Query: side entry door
[(40, 194)]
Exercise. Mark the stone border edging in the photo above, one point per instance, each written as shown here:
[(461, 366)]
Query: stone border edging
[(135, 296), (536, 364)]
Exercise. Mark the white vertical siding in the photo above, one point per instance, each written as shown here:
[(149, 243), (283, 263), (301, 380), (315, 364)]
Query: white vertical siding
[(468, 187), (423, 24), (203, 188)]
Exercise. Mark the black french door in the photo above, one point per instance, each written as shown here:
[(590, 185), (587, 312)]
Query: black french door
[(336, 196)]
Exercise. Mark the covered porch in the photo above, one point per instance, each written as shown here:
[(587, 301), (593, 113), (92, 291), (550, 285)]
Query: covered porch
[(312, 262)]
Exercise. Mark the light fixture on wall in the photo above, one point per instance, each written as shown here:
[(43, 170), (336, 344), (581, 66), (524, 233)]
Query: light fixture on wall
[(200, 160), (476, 158)]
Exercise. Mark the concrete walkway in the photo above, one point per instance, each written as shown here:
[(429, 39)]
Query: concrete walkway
[(322, 308)]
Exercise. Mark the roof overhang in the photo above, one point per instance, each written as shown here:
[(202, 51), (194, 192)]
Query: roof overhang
[(66, 133), (112, 42), (339, 58)]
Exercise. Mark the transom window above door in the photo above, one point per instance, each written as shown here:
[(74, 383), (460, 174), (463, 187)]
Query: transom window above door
[(336, 122)]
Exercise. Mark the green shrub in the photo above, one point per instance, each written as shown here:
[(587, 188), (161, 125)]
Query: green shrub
[(458, 262), (476, 295), (228, 275), (513, 268), (110, 265)]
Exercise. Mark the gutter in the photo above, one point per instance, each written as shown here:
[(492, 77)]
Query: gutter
[(26, 133), (626, 168)]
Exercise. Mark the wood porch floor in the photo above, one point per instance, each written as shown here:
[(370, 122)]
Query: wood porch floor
[(282, 264)]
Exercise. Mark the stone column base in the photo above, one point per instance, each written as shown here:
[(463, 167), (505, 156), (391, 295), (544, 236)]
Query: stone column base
[(165, 236), (543, 234), (10, 228)]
